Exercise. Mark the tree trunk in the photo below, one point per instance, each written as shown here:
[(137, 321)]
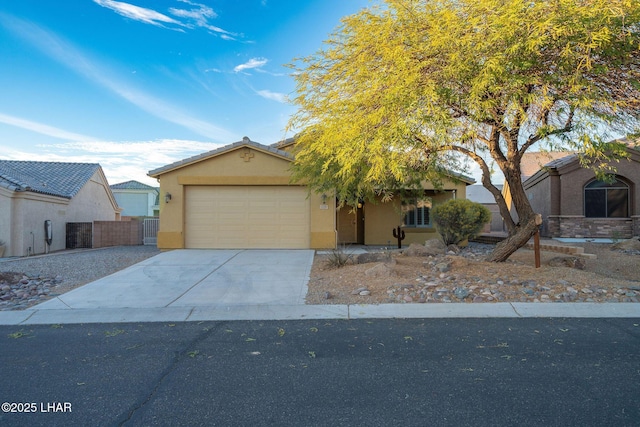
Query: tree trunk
[(515, 241)]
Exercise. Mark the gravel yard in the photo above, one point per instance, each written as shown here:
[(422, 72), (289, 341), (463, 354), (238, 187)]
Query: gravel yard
[(57, 273), (613, 276)]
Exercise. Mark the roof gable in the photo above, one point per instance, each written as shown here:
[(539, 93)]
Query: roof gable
[(52, 178), (246, 142), (534, 161), (571, 161)]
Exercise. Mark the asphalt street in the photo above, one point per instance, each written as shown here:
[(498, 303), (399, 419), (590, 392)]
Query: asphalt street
[(416, 372)]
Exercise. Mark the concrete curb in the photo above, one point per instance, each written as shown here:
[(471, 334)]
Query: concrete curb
[(301, 312)]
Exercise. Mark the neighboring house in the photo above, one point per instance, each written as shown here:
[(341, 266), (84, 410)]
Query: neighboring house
[(241, 196), (479, 194), (573, 203), (34, 192), (136, 198)]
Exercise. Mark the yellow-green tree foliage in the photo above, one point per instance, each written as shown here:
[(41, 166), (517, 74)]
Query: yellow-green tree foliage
[(459, 219), (399, 88)]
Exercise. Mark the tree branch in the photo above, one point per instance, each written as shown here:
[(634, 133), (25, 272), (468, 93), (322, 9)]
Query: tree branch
[(568, 124), (486, 183)]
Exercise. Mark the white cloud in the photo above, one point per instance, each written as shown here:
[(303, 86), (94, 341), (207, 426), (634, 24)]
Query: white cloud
[(201, 14), (137, 13), (251, 64), (275, 96), (196, 17), (43, 129), (67, 54), (121, 161)]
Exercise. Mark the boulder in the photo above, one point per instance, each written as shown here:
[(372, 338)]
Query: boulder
[(431, 247), (373, 257), (571, 262), (380, 270), (632, 244)]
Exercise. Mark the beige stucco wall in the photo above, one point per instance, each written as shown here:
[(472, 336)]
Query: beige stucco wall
[(231, 168), (380, 219), (22, 216)]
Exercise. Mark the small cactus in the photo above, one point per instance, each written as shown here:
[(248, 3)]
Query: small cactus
[(398, 233)]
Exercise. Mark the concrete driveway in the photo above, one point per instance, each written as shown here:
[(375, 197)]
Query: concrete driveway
[(195, 278)]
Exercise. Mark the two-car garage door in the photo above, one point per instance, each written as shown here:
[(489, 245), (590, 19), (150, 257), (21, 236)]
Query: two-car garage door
[(235, 217)]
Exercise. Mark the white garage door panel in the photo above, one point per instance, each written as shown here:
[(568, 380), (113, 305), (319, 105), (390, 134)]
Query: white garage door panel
[(246, 217)]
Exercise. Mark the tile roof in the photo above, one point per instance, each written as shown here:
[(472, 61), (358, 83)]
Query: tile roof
[(131, 185), (534, 161), (53, 178), (245, 142)]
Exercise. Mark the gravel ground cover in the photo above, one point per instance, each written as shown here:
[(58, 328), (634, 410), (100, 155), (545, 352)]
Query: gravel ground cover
[(28, 281), (613, 276)]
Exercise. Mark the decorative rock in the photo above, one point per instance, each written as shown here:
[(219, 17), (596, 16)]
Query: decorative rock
[(431, 247), (443, 267), (461, 293), (374, 257), (380, 270), (571, 262), (630, 244), (365, 293)]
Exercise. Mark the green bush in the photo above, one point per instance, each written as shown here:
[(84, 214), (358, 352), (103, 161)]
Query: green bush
[(459, 219)]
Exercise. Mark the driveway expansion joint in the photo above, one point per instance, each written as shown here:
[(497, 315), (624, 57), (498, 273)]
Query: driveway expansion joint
[(204, 278)]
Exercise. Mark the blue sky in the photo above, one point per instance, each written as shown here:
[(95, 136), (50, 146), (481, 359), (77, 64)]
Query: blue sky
[(139, 84)]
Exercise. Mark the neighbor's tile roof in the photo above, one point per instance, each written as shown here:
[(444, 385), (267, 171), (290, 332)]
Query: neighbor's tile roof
[(53, 178), (131, 185), (245, 142), (534, 161)]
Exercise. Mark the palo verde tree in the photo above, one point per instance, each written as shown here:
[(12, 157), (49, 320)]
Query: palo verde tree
[(401, 91)]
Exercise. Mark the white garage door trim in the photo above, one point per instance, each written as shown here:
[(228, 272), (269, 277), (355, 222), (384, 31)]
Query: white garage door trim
[(247, 217)]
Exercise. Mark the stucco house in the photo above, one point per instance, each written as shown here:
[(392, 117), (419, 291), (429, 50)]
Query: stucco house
[(574, 204), (32, 193), (136, 198), (241, 196)]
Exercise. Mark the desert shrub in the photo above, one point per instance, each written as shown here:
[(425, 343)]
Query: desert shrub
[(339, 257), (459, 219)]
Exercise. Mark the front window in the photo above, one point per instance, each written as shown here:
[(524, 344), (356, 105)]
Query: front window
[(606, 200), (417, 213)]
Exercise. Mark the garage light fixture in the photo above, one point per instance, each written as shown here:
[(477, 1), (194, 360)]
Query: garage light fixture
[(167, 197)]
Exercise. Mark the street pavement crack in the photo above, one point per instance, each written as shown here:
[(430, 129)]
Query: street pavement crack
[(177, 359)]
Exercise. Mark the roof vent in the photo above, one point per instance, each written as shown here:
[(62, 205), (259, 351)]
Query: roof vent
[(246, 139)]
